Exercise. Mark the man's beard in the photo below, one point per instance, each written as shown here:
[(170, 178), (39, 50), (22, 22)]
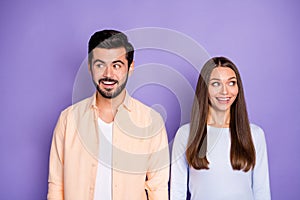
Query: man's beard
[(107, 93)]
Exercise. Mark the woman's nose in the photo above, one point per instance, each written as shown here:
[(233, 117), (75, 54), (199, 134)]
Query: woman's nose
[(224, 89)]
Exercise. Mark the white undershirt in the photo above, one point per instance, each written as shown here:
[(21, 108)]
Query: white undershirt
[(103, 179)]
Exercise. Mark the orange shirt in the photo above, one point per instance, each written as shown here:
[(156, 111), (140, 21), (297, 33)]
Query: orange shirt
[(140, 153)]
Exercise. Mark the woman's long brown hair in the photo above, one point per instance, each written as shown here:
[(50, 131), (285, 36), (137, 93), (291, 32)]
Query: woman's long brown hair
[(242, 151)]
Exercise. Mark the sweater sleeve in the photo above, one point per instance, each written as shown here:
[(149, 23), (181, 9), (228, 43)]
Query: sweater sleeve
[(260, 176), (179, 166)]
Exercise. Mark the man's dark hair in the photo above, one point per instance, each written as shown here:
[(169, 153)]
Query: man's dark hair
[(109, 39)]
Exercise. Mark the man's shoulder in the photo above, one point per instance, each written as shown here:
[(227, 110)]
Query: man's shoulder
[(135, 103), (80, 106), (140, 107), (141, 119)]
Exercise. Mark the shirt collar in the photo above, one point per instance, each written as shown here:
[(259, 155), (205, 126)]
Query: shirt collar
[(126, 103)]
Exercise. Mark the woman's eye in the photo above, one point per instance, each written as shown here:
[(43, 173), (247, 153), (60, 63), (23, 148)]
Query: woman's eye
[(232, 83), (215, 84)]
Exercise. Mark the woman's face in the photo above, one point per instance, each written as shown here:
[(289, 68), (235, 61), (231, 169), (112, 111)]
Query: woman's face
[(222, 88)]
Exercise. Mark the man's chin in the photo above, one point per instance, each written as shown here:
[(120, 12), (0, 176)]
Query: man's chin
[(108, 93)]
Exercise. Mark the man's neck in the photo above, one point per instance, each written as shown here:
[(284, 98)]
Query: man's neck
[(107, 108)]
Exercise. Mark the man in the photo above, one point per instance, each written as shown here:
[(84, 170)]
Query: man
[(109, 146)]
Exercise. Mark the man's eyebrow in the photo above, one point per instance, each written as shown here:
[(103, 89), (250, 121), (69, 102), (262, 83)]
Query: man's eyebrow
[(116, 61), (98, 60)]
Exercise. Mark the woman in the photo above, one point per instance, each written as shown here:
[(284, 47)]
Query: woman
[(219, 155)]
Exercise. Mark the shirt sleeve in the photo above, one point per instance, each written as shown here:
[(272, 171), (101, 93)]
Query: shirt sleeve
[(261, 183), (56, 162), (179, 166), (158, 173)]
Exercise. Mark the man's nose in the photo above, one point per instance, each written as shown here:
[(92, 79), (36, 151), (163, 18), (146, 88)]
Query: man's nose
[(108, 71)]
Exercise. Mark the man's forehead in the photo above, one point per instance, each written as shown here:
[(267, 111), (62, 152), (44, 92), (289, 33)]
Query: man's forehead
[(109, 54), (118, 50)]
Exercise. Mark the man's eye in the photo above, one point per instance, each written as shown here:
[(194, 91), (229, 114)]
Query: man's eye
[(99, 65), (117, 66)]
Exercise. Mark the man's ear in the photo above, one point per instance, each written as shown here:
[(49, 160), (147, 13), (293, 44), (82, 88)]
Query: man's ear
[(89, 66), (89, 61), (131, 68)]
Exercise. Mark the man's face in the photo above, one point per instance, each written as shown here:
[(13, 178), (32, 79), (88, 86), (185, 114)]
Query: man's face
[(109, 69)]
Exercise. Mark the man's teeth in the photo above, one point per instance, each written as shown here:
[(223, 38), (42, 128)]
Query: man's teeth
[(108, 82)]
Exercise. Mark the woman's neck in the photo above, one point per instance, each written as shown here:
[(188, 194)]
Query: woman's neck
[(218, 118)]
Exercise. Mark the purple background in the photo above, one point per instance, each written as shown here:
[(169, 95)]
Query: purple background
[(43, 44)]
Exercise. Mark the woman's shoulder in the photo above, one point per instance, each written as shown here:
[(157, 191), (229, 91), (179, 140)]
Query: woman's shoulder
[(257, 133), (255, 129), (182, 134), (184, 128)]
